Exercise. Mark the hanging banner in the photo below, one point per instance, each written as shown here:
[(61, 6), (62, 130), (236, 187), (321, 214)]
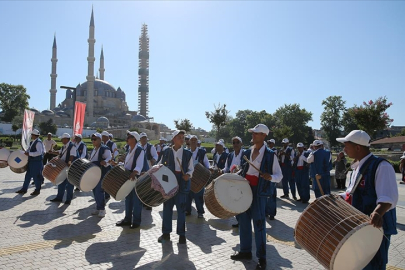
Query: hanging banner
[(28, 123), (80, 109)]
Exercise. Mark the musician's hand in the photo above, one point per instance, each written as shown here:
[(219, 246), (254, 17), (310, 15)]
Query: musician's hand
[(152, 161), (266, 176), (186, 177), (70, 163), (26, 153), (376, 220), (133, 175), (318, 177), (103, 163)]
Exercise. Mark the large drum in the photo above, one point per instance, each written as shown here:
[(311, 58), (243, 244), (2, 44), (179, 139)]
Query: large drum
[(228, 195), (200, 178), (84, 174), (4, 154), (18, 161), (55, 171), (117, 183), (156, 186), (336, 234)]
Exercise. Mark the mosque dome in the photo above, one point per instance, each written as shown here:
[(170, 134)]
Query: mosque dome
[(35, 110), (47, 112), (138, 118), (102, 87), (102, 119)]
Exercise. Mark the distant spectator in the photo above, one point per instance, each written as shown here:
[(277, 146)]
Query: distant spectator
[(402, 168), (340, 170)]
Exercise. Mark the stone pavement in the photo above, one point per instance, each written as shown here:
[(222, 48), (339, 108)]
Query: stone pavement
[(39, 234)]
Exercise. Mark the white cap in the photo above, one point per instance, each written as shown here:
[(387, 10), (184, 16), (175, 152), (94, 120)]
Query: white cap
[(237, 138), (105, 133), (220, 143), (356, 136), (317, 143), (176, 132), (193, 136), (222, 140), (272, 141), (403, 156), (162, 139), (198, 141), (110, 135), (35, 132), (49, 133), (135, 134), (285, 140), (260, 128), (98, 135), (188, 136), (300, 144), (65, 136), (143, 134), (78, 135)]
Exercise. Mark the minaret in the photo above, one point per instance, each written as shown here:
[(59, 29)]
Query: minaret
[(143, 72), (90, 72), (101, 69), (53, 75)]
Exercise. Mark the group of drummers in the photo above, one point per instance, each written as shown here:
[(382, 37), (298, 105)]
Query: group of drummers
[(262, 166)]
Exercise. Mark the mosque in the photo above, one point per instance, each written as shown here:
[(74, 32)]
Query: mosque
[(106, 106)]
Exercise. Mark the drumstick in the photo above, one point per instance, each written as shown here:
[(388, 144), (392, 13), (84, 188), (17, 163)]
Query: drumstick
[(181, 168), (319, 185), (252, 164)]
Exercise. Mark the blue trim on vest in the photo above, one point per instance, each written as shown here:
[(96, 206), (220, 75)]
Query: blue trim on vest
[(33, 148), (104, 170), (109, 145), (81, 148), (230, 158), (138, 151), (221, 160), (168, 161), (69, 148), (200, 155)]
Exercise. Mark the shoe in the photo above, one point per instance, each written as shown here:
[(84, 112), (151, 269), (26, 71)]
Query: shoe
[(188, 213), (295, 198), (271, 217), (236, 225), (95, 212), (299, 200), (285, 196), (242, 256), (182, 239), (261, 264), (55, 200), (164, 237), (123, 223), (35, 193), (148, 208), (200, 215), (134, 226), (67, 202), (101, 213), (21, 191), (77, 189)]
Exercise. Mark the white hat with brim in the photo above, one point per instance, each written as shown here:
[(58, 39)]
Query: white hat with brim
[(177, 132), (300, 144), (260, 128), (65, 136), (193, 137), (403, 156), (135, 134), (49, 133), (110, 135), (162, 139), (105, 133), (143, 134), (98, 135), (220, 143), (317, 143), (285, 140), (272, 141), (359, 137), (35, 132), (78, 136), (237, 138)]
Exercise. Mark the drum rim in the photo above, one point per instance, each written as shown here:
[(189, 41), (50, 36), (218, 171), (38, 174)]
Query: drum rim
[(25, 158), (133, 183)]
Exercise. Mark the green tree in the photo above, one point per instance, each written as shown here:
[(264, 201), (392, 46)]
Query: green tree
[(183, 124), (47, 127), (331, 118), (218, 117), (13, 100), (17, 123), (348, 121), (291, 122)]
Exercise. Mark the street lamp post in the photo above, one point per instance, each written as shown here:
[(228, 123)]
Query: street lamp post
[(74, 104)]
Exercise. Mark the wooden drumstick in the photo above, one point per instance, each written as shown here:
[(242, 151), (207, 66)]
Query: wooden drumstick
[(245, 158), (181, 168), (319, 184)]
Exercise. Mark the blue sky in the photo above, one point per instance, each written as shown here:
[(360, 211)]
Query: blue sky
[(256, 55)]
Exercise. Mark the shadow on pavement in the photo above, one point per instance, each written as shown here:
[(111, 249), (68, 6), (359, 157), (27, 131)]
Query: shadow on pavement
[(41, 217), (199, 232)]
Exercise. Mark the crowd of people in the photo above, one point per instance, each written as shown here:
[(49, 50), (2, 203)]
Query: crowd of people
[(371, 189)]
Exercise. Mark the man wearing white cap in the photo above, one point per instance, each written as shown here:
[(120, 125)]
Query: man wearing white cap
[(214, 150), (266, 161), (172, 158), (112, 145), (271, 207), (68, 153), (160, 146), (272, 145), (105, 138), (135, 162), (35, 153), (220, 155), (101, 156), (372, 190), (49, 144), (286, 156), (80, 146), (150, 151), (199, 156), (301, 172), (321, 164)]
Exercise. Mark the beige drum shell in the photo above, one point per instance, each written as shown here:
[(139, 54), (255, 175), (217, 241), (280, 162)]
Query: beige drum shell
[(116, 183), (4, 154), (55, 171), (18, 161), (200, 178), (228, 195), (84, 174), (336, 234)]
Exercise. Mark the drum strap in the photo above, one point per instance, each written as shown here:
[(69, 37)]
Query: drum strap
[(349, 195)]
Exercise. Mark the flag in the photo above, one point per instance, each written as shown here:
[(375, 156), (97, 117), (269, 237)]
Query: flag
[(80, 109), (27, 129)]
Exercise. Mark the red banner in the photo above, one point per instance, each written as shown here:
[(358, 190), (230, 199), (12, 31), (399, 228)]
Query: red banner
[(80, 109), (27, 128)]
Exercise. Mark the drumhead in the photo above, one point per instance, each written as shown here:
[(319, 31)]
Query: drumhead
[(17, 159), (124, 190), (61, 177), (166, 178), (4, 154), (357, 248), (233, 192), (90, 178)]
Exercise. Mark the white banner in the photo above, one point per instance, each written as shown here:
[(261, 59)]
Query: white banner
[(27, 129)]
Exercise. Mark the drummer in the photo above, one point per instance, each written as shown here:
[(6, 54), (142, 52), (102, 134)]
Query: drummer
[(160, 146), (101, 156), (68, 153), (199, 155), (220, 155), (136, 163), (35, 153), (266, 161), (80, 146), (376, 193), (183, 174)]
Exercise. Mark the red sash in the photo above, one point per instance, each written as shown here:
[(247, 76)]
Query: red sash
[(253, 180), (348, 198)]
